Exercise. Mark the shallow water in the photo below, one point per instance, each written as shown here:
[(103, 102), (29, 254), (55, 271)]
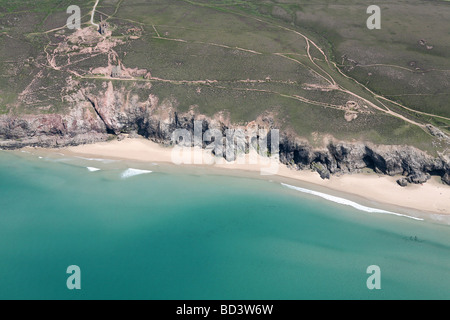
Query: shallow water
[(156, 233)]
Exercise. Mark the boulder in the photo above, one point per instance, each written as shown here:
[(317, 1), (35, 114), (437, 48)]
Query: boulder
[(402, 182), (321, 169), (446, 178), (418, 178)]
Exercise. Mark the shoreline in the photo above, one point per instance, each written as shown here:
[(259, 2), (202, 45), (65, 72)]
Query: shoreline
[(430, 200)]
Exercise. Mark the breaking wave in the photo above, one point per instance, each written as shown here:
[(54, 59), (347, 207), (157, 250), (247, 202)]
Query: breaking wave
[(347, 202), (133, 172), (99, 160)]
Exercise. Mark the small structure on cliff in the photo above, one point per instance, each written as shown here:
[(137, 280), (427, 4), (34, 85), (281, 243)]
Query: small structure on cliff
[(116, 71), (103, 26)]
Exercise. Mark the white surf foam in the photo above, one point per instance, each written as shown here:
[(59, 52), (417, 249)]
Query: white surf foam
[(133, 172), (92, 169), (106, 161), (347, 202)]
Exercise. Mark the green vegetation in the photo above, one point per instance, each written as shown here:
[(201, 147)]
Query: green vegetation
[(301, 61)]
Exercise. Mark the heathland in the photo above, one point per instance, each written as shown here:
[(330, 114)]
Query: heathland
[(313, 68)]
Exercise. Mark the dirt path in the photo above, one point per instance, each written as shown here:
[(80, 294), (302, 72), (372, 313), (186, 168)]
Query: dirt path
[(93, 13), (314, 67), (328, 77)]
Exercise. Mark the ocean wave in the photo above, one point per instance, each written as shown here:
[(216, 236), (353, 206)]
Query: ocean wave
[(92, 169), (347, 202), (64, 160), (133, 172), (98, 160)]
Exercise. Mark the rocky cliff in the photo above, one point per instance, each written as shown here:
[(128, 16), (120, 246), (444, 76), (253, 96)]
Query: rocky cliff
[(101, 115)]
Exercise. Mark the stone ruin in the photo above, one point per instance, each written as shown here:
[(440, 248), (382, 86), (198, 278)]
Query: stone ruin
[(103, 26)]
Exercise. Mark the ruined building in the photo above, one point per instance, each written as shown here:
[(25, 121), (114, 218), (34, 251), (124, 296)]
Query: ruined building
[(116, 71), (103, 26)]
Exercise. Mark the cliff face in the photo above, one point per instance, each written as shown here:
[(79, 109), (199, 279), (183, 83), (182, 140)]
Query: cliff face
[(96, 116), (49, 131), (341, 157)]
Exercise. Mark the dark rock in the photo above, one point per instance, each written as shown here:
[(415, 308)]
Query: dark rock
[(418, 178), (321, 169), (96, 114), (402, 182), (446, 178)]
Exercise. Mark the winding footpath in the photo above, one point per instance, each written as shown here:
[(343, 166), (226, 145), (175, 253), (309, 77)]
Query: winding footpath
[(318, 70), (93, 13)]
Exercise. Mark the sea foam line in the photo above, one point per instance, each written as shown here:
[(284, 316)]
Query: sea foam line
[(105, 161), (133, 172), (347, 202), (92, 169)]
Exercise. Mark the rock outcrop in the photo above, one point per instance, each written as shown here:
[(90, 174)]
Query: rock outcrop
[(343, 157), (402, 182), (97, 116)]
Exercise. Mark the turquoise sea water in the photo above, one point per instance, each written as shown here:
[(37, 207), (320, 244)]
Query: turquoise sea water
[(172, 234)]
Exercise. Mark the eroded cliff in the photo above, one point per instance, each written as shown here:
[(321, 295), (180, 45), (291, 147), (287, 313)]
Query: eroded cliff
[(106, 113)]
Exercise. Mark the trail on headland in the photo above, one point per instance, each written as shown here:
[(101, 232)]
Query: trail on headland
[(93, 14)]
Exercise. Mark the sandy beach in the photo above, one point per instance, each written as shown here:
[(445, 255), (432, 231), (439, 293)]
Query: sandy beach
[(432, 197)]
